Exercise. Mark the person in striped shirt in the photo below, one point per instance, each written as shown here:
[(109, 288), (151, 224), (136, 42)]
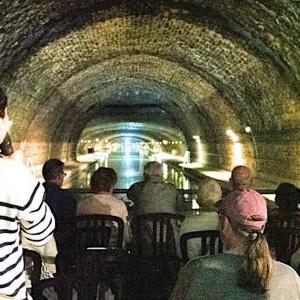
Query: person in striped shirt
[(22, 212)]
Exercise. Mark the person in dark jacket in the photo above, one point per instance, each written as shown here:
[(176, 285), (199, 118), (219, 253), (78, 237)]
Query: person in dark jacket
[(62, 203)]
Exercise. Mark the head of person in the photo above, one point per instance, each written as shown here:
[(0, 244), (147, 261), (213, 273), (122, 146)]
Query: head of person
[(54, 171), (287, 197), (153, 171), (5, 123), (103, 180), (208, 194), (243, 218), (241, 178)]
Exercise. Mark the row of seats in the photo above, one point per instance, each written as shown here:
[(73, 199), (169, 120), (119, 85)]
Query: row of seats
[(151, 267)]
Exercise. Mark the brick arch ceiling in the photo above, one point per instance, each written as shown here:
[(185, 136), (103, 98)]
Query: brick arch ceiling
[(239, 61), (227, 68)]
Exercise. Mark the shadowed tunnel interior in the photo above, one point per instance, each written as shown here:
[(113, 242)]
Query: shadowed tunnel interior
[(198, 67)]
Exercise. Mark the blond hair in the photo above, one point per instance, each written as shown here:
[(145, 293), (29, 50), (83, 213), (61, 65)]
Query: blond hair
[(257, 266)]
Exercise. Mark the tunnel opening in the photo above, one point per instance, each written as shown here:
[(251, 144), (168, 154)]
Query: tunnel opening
[(128, 146)]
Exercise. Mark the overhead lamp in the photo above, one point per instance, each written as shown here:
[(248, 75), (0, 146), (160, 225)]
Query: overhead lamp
[(248, 129)]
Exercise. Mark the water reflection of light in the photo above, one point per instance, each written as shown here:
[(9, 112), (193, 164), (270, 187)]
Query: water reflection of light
[(238, 155), (219, 175), (237, 149), (165, 171), (130, 172), (195, 205), (186, 183), (127, 147), (201, 154)]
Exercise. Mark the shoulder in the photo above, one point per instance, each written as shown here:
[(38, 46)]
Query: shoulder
[(137, 185), (13, 173), (10, 166), (118, 202), (284, 269), (68, 194), (218, 262)]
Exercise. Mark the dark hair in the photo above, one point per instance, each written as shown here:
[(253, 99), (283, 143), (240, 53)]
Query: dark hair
[(3, 103), (52, 168), (103, 179), (287, 197)]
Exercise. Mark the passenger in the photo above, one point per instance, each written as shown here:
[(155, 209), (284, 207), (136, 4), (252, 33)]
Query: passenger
[(246, 270), (61, 202), (22, 210), (287, 198), (241, 178), (287, 212), (153, 195), (208, 194), (101, 201)]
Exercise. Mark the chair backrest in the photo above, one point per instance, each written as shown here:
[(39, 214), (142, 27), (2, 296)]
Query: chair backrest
[(96, 230), (210, 243), (98, 266), (155, 234), (59, 288), (33, 264), (283, 234)]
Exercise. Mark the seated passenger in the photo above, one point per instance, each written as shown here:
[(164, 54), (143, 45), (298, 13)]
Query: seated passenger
[(101, 201), (208, 194), (285, 215), (246, 270), (153, 195), (61, 202), (23, 214), (287, 198)]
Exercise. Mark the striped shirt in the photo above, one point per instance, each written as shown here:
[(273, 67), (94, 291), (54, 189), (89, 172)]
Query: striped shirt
[(22, 211)]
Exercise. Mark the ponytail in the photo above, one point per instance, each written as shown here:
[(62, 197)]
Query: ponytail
[(257, 267)]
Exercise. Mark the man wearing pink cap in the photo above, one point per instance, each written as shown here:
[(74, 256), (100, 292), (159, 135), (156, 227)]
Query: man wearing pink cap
[(246, 269)]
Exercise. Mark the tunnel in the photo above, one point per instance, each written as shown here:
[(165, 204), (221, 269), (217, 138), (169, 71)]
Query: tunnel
[(223, 75)]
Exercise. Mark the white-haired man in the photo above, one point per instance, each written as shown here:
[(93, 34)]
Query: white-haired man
[(153, 195)]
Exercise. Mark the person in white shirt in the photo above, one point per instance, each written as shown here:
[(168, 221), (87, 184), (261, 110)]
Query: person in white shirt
[(208, 194), (22, 213), (102, 201)]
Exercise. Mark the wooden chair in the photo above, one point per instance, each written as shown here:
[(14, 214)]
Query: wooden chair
[(209, 243), (283, 234), (156, 262), (33, 265)]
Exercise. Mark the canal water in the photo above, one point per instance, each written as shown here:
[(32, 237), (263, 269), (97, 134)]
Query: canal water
[(129, 169)]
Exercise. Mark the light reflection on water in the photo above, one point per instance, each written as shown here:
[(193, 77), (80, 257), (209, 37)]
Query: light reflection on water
[(129, 169)]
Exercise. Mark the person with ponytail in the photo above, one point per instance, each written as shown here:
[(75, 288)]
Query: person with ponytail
[(102, 201), (246, 269)]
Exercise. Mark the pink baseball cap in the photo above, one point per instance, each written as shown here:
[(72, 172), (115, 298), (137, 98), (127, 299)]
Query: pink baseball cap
[(246, 207)]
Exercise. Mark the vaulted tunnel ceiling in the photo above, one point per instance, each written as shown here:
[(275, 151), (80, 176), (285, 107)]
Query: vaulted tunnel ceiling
[(209, 65)]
